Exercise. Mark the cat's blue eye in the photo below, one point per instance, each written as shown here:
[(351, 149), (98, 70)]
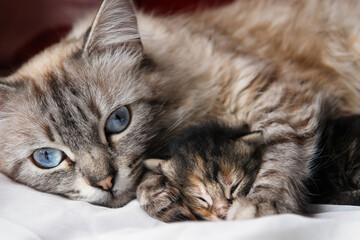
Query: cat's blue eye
[(117, 121), (48, 157)]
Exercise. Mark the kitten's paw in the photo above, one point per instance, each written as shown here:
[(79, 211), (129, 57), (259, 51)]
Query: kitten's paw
[(162, 201), (243, 209)]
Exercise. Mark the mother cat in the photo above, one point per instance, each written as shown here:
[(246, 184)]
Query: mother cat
[(78, 119)]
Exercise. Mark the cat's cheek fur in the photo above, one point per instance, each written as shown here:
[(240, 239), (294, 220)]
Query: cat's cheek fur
[(90, 194), (124, 188), (71, 185)]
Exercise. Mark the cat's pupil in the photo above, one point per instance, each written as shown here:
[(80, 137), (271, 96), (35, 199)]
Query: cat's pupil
[(48, 157), (118, 121)]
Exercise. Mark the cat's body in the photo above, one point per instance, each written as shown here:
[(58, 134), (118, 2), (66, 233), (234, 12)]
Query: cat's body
[(273, 64), (336, 171)]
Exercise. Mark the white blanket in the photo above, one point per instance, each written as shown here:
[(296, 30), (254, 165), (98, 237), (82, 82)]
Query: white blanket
[(29, 214)]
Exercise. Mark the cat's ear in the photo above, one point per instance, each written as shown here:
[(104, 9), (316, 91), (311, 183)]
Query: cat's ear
[(4, 91), (115, 25), (254, 138), (158, 165)]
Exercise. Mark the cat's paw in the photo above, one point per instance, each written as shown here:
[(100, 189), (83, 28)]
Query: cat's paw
[(162, 201), (242, 209)]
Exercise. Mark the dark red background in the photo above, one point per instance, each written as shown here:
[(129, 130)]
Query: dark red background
[(28, 26)]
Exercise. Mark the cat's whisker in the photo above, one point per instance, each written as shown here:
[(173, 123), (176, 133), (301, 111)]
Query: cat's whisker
[(161, 144)]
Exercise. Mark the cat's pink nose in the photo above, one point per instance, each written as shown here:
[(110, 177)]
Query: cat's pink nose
[(106, 183)]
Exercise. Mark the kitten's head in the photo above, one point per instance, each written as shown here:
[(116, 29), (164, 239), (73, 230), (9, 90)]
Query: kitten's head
[(77, 118), (211, 164)]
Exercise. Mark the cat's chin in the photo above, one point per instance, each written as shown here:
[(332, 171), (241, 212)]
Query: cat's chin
[(113, 201), (117, 202)]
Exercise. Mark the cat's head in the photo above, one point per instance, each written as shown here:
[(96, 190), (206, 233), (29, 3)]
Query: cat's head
[(211, 164), (76, 119)]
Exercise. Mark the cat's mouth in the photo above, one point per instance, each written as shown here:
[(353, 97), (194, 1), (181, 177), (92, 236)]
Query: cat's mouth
[(113, 200), (114, 191), (121, 198), (122, 191)]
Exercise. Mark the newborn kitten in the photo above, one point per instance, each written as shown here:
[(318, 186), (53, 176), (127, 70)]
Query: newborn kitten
[(211, 165), (336, 177)]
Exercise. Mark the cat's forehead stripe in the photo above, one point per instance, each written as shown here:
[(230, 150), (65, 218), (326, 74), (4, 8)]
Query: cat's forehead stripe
[(82, 113), (49, 133), (71, 116), (62, 93), (94, 108)]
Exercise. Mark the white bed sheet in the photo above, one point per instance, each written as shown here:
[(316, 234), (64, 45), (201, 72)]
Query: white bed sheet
[(29, 214)]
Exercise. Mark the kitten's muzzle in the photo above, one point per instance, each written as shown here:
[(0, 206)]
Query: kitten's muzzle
[(220, 210)]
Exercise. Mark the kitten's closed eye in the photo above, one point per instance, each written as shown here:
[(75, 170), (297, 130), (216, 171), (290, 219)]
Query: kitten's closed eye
[(205, 203)]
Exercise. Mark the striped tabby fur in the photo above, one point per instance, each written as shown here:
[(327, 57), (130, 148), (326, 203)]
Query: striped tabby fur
[(277, 65), (200, 154), (211, 165)]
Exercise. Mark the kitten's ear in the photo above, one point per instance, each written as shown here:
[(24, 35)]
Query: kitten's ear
[(158, 165), (243, 133), (114, 24), (254, 138)]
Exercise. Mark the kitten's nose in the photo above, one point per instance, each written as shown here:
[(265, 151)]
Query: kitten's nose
[(221, 209), (221, 214), (106, 183)]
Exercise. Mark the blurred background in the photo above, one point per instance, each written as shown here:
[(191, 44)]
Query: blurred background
[(28, 26)]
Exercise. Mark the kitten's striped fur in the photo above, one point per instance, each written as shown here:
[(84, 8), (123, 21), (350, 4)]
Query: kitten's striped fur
[(211, 165), (199, 155), (270, 63)]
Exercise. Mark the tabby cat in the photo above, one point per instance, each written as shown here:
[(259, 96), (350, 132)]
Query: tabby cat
[(79, 118), (336, 171), (211, 166)]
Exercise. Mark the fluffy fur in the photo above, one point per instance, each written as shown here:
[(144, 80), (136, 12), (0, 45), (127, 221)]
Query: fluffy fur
[(211, 168), (271, 63), (211, 165), (336, 171)]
